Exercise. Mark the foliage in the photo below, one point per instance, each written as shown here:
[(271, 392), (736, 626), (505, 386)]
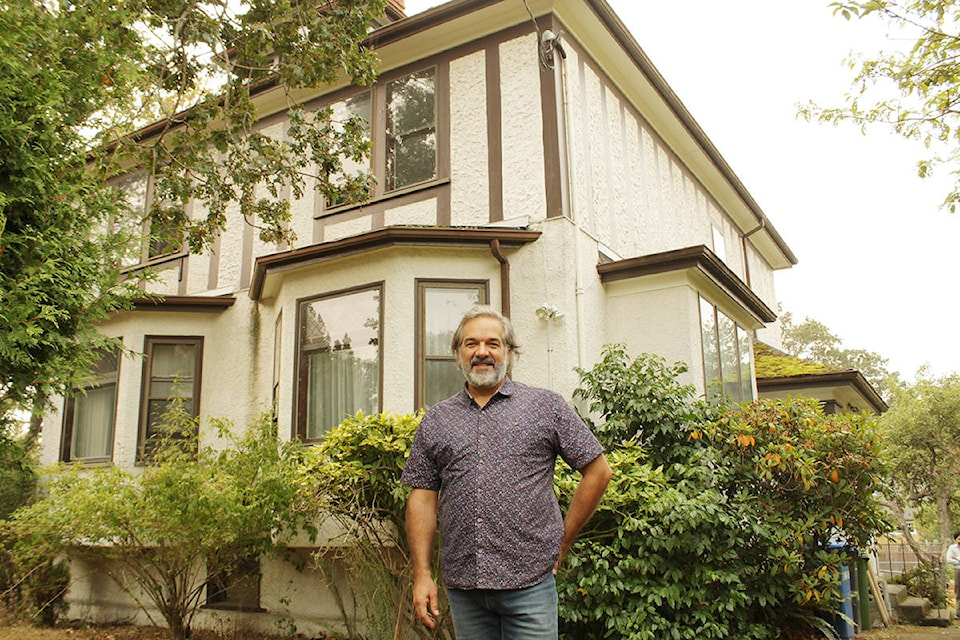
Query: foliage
[(77, 79), (924, 581), (913, 89), (813, 340), (640, 401), (727, 535), (186, 510), (357, 469), (922, 431)]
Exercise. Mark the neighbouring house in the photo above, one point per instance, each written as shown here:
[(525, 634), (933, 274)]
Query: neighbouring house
[(549, 170), (839, 391)]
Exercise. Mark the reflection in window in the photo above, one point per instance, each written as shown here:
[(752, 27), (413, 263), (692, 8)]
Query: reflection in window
[(171, 378), (339, 371), (90, 415), (357, 106), (411, 130), (441, 306), (236, 589), (727, 370)]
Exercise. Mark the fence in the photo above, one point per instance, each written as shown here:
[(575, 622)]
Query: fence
[(895, 558)]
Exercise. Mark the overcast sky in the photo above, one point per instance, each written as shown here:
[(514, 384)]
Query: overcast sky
[(877, 255)]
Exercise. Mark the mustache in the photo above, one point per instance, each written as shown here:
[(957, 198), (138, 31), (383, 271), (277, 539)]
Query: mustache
[(482, 360)]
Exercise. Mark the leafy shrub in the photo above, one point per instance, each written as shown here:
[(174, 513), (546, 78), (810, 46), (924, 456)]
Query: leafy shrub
[(925, 581), (357, 471), (717, 523)]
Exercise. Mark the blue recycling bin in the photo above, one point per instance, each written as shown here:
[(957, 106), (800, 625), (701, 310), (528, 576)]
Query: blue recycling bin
[(842, 619)]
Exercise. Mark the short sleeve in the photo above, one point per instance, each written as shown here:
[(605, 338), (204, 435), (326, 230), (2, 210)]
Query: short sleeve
[(577, 445), (420, 471)]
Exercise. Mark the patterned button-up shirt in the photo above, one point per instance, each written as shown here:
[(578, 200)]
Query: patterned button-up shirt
[(500, 524)]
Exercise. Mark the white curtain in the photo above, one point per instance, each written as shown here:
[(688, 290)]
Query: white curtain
[(93, 423)]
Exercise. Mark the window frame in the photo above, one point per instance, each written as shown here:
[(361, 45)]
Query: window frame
[(222, 587), (146, 257), (301, 383), (420, 356), (68, 430), (744, 367), (150, 341), (379, 135)]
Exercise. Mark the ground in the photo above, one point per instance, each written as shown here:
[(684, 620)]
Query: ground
[(152, 633)]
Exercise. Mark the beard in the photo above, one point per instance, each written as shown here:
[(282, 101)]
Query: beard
[(484, 379)]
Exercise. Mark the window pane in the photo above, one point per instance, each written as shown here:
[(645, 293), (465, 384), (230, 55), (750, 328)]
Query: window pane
[(93, 423), (411, 130), (442, 379), (355, 106), (729, 359), (708, 338), (340, 341), (172, 375), (746, 376), (172, 370), (443, 307)]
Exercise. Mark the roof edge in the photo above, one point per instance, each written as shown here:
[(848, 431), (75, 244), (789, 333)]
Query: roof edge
[(828, 379), (386, 237)]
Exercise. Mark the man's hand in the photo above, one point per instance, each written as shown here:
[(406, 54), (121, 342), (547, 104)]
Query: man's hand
[(426, 601)]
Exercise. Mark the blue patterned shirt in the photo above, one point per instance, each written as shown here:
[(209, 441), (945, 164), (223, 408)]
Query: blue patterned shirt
[(500, 524)]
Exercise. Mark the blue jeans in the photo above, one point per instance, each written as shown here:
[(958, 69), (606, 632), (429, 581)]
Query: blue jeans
[(513, 614)]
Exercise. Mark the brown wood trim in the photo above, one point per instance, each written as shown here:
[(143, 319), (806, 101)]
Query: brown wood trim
[(494, 132), (550, 122), (697, 257), (210, 304), (387, 237), (849, 377)]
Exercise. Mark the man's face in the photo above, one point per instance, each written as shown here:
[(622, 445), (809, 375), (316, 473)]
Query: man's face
[(483, 357)]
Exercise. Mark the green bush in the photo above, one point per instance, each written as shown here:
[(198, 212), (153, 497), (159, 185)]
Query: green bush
[(717, 523)]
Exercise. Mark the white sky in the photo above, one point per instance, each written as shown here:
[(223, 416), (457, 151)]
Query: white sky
[(876, 252)]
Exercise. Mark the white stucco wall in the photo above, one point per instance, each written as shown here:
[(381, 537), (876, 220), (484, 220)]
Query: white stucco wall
[(522, 129), (469, 153)]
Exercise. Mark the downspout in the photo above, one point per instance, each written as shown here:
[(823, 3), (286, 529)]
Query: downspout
[(504, 276), (743, 248)]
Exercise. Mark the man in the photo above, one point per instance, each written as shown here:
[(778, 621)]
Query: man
[(484, 461), (953, 559)]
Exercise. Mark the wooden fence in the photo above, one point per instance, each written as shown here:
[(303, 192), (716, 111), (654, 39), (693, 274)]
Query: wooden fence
[(895, 558)]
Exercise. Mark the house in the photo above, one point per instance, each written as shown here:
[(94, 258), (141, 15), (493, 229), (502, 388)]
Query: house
[(546, 168), (838, 391)]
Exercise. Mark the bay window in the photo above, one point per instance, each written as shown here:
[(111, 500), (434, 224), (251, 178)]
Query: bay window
[(171, 378), (339, 338), (725, 345)]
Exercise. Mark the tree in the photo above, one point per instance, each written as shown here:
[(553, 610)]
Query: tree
[(718, 524), (922, 430), (188, 510), (813, 340), (916, 90), (79, 80)]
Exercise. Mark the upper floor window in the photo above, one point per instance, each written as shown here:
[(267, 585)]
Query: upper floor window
[(90, 415), (160, 240), (726, 356), (440, 306), (411, 129), (339, 340), (171, 380), (403, 130)]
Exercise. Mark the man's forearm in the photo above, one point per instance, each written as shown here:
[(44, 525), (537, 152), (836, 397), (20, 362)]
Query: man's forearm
[(421, 529), (596, 477)]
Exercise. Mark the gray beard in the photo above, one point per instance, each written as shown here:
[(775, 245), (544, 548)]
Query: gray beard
[(487, 379)]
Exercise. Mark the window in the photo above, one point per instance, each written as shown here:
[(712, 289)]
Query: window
[(719, 244), (339, 359), (237, 589), (161, 239), (440, 306), (355, 106), (411, 130), (90, 415), (171, 377), (277, 342), (726, 356)]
